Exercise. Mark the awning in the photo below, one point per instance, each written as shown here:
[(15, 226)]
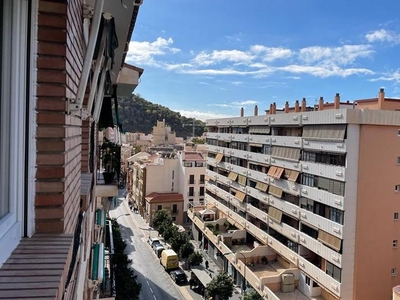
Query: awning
[(259, 129), (261, 186), (106, 118), (202, 276), (242, 180), (275, 191), (240, 195), (291, 175), (331, 132), (329, 240), (255, 145), (275, 172), (207, 212), (219, 157), (233, 176), (285, 152), (274, 213)]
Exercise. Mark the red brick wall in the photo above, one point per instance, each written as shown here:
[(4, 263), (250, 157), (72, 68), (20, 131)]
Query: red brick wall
[(59, 136)]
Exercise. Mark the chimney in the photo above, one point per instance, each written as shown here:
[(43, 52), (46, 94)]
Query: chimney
[(242, 112), (270, 109), (303, 105), (321, 103), (381, 98), (274, 108), (296, 106), (256, 110), (336, 103), (286, 107)]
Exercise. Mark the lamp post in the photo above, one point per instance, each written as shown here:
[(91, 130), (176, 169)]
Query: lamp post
[(123, 215)]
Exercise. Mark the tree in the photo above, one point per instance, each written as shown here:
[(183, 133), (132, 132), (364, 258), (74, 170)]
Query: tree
[(253, 295), (185, 251), (169, 232), (221, 287), (178, 240), (195, 259), (160, 217)]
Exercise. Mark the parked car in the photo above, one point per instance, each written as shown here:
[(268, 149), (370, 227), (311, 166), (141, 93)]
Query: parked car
[(158, 249), (179, 276), (156, 244), (153, 240)]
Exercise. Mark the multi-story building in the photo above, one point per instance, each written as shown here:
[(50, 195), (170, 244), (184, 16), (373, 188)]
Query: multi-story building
[(180, 172), (163, 134), (312, 192), (54, 82)]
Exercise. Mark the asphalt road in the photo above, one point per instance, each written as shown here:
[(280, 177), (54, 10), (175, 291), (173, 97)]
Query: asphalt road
[(156, 283)]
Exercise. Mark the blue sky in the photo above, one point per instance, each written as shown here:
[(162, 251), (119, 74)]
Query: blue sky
[(207, 59)]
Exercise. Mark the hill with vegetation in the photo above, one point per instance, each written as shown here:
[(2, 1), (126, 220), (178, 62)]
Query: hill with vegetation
[(139, 115)]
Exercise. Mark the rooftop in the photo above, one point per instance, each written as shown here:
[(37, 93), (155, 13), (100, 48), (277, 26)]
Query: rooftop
[(164, 197)]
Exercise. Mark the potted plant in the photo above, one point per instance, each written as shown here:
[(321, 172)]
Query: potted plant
[(111, 160)]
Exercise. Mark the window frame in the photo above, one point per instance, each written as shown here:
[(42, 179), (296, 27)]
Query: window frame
[(17, 84)]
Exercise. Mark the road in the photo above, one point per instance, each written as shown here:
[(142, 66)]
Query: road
[(156, 283)]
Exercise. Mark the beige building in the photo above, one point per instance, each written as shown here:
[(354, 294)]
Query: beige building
[(163, 134), (313, 192), (172, 202)]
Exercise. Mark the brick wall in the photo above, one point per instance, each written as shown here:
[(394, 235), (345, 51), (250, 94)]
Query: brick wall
[(59, 136)]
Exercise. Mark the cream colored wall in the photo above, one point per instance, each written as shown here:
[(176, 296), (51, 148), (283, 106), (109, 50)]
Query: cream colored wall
[(376, 203)]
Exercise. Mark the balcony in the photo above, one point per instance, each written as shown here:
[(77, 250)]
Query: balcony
[(108, 169)]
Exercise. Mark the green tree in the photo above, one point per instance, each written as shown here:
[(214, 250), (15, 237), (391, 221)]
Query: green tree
[(160, 217), (253, 295), (170, 232), (126, 285), (195, 259), (197, 141), (221, 287), (178, 240), (185, 251)]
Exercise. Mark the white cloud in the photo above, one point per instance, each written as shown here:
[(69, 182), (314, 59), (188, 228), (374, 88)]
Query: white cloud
[(143, 53), (229, 71), (394, 76), (383, 35), (206, 59), (343, 55), (271, 53), (324, 72), (201, 115)]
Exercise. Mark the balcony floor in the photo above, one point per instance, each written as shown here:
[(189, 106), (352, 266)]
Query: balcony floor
[(273, 269), (297, 294)]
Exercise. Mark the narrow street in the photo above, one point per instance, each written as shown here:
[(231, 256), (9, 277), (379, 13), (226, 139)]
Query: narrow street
[(156, 283)]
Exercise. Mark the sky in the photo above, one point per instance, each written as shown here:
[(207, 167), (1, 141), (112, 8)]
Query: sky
[(207, 59)]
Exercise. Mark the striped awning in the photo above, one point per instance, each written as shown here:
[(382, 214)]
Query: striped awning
[(275, 214)]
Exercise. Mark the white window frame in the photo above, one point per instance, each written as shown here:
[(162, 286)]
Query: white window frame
[(14, 87), (396, 216)]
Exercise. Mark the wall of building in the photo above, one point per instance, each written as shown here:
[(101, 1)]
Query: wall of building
[(161, 178), (377, 202)]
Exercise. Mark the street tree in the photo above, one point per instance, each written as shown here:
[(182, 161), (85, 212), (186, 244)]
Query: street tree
[(195, 259), (160, 217), (253, 295), (221, 287), (185, 251), (169, 232), (178, 240)]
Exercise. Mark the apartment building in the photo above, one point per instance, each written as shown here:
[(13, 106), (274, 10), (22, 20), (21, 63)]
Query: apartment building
[(53, 87), (312, 192), (163, 134), (176, 171)]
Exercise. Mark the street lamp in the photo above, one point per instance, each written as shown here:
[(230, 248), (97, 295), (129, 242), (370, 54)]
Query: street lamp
[(123, 215)]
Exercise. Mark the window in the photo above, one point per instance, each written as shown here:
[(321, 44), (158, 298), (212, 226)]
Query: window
[(191, 179), (308, 280), (201, 179), (173, 219), (395, 243), (173, 174), (14, 114), (191, 191), (396, 215), (397, 188), (398, 160), (336, 215), (307, 204), (398, 132), (159, 207), (394, 271), (333, 271), (174, 208), (201, 191)]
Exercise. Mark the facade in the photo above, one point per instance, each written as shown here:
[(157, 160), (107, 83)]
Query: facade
[(51, 104), (163, 134), (308, 191), (172, 202), (161, 172)]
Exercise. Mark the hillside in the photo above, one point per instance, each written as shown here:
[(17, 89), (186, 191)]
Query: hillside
[(139, 115)]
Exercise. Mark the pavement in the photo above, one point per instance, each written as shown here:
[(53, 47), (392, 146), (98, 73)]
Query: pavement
[(212, 270)]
